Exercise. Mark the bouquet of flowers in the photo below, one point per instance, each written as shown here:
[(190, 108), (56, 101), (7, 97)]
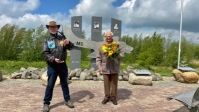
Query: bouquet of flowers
[(111, 50)]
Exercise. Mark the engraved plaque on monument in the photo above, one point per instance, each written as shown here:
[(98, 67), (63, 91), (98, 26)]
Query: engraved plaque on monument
[(116, 27), (75, 54), (96, 35)]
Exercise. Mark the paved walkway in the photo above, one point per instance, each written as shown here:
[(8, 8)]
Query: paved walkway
[(19, 95)]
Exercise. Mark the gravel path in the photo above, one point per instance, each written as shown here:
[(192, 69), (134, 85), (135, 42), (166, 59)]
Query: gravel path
[(23, 95)]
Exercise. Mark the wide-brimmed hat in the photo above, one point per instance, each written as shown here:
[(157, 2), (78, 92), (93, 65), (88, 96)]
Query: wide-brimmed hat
[(53, 23)]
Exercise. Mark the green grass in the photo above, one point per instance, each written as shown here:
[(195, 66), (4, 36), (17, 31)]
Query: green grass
[(164, 71), (9, 67)]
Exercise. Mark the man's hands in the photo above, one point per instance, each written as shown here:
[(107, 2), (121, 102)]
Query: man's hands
[(58, 61), (66, 42), (100, 68)]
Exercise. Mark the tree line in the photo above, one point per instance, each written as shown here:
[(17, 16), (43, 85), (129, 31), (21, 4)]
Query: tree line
[(26, 45)]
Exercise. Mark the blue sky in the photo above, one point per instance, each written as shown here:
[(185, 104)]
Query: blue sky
[(55, 6), (137, 16), (61, 6)]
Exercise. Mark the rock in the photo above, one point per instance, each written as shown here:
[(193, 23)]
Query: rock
[(125, 72), (190, 77), (94, 74), (78, 72), (125, 77), (121, 73), (120, 78), (22, 69), (101, 78), (44, 79), (185, 77), (18, 77), (43, 70), (156, 77), (178, 75), (1, 76), (35, 76), (87, 71), (129, 68), (38, 72), (15, 75), (75, 78), (90, 74), (25, 74), (94, 78), (31, 69), (29, 77), (140, 80), (83, 76), (92, 69), (89, 77), (98, 73), (72, 73)]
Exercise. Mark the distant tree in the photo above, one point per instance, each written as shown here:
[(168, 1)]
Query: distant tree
[(84, 51), (32, 44), (152, 50), (10, 41)]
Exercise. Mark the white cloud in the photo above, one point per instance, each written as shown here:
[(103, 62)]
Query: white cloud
[(89, 8), (14, 8), (34, 20), (159, 14)]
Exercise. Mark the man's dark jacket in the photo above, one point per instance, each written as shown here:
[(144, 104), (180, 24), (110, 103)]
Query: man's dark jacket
[(51, 48)]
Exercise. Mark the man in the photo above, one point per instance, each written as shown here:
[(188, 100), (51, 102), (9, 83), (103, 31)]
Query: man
[(110, 69), (53, 46)]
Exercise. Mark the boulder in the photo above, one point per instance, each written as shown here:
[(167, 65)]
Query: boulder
[(125, 77), (73, 73), (120, 78), (31, 69), (100, 78), (185, 77), (75, 78), (178, 75), (83, 76), (94, 78), (25, 74), (35, 76), (22, 69), (78, 72), (129, 68), (140, 80), (156, 77), (15, 75), (190, 77)]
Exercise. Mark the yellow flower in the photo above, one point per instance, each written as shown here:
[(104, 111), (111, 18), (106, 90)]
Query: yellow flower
[(110, 49), (61, 43), (110, 53), (104, 48), (114, 43)]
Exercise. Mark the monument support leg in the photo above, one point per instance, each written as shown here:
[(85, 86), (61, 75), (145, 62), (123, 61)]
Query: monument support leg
[(96, 34), (75, 54)]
